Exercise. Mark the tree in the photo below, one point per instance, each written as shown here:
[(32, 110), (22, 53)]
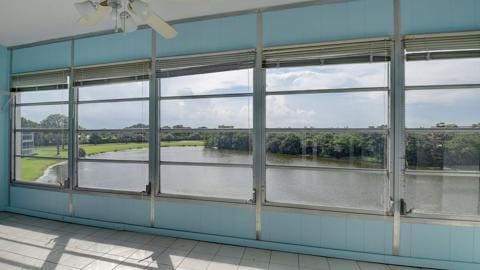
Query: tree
[(95, 139), (57, 121)]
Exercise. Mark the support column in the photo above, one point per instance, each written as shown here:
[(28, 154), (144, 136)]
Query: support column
[(397, 120), (154, 143), (72, 128), (259, 119)]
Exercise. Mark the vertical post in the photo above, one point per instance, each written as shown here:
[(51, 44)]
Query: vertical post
[(397, 104), (153, 129), (72, 128), (259, 128), (11, 138)]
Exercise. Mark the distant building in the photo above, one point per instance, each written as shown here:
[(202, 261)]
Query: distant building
[(28, 144)]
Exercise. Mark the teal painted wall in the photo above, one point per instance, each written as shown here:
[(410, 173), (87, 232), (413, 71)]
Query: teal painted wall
[(431, 16), (230, 33), (49, 56), (113, 48), (341, 21), (4, 125)]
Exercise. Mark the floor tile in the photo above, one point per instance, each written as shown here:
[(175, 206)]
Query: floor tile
[(372, 266), (184, 244), (207, 248), (172, 257), (231, 251), (313, 262), (257, 254), (247, 264), (285, 258), (339, 264)]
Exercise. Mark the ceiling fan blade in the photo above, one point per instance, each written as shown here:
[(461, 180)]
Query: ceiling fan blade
[(159, 25), (97, 16)]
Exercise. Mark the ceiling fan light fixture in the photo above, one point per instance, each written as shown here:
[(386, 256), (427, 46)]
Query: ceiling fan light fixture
[(86, 9), (140, 9)]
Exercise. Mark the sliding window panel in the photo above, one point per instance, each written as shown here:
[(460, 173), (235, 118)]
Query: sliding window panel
[(41, 117), (131, 177), (444, 108), (42, 96), (212, 113), (47, 171), (443, 151), (328, 77), (225, 82), (453, 195), (355, 189), (42, 144), (207, 181), (328, 110), (138, 89), (327, 149), (116, 115), (234, 147), (107, 145), (443, 72)]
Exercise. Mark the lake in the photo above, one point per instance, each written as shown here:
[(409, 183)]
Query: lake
[(332, 187)]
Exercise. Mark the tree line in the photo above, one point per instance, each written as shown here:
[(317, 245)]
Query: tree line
[(424, 150)]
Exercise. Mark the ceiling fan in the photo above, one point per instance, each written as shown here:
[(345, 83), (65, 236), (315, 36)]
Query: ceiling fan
[(127, 14)]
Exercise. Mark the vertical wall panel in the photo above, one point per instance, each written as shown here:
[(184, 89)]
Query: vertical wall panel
[(430, 16), (350, 20), (214, 218), (4, 125), (113, 48), (44, 57), (35, 199), (430, 241), (462, 242), (112, 209), (223, 34)]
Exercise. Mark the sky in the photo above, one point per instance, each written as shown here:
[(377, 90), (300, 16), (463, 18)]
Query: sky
[(328, 110)]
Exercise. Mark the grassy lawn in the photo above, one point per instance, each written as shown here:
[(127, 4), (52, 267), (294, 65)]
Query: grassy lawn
[(33, 168)]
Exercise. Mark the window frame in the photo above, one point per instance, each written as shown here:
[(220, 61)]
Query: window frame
[(250, 130), (426, 56), (383, 130)]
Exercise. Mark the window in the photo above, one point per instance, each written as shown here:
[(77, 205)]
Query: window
[(206, 123), (113, 136), (326, 136), (443, 137), (41, 137)]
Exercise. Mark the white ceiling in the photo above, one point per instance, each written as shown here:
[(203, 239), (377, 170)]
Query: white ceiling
[(27, 21)]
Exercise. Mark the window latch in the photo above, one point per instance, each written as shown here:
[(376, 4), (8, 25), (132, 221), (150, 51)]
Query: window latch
[(148, 188), (403, 208), (254, 196)]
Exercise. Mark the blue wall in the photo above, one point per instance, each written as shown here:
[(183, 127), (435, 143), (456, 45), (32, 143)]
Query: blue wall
[(4, 125), (431, 16), (113, 48), (342, 21), (230, 33), (50, 56)]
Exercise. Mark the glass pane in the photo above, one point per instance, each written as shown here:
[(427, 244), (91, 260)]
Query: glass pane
[(443, 151), (454, 195), (226, 82), (330, 149), (328, 77), (207, 113), (114, 176), (114, 91), (41, 96), (118, 115), (111, 145), (42, 144), (220, 182), (452, 71), (332, 110), (215, 147), (335, 188), (47, 171), (45, 116), (439, 108)]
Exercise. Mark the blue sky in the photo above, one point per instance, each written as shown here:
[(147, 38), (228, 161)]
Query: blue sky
[(423, 108)]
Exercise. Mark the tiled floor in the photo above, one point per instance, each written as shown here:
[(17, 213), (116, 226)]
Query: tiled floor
[(33, 243)]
